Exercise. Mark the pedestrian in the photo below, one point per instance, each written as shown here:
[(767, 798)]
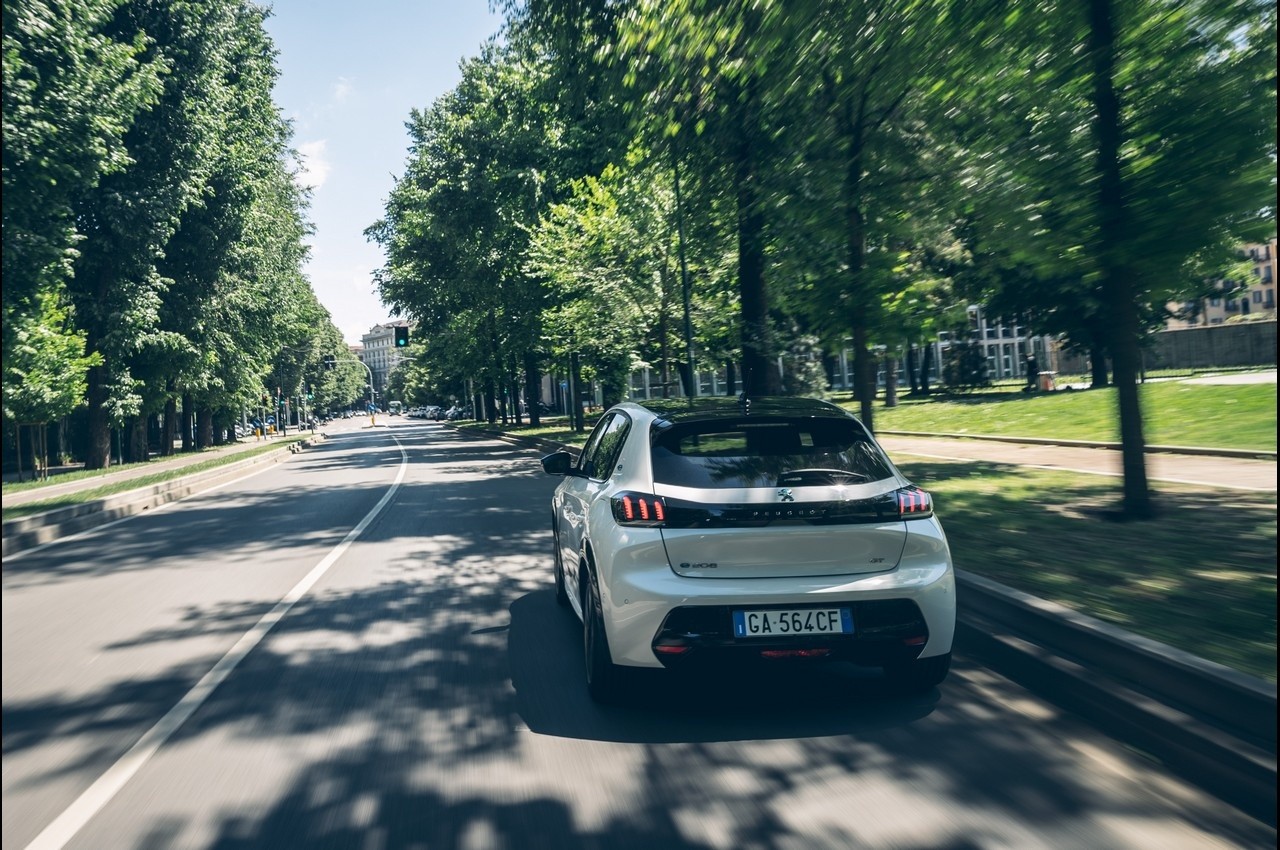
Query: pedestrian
[(1033, 370)]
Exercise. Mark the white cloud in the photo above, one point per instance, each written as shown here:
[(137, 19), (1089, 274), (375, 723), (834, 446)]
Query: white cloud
[(313, 166), (341, 89)]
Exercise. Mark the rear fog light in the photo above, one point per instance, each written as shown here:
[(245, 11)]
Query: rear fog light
[(672, 650), (918, 640)]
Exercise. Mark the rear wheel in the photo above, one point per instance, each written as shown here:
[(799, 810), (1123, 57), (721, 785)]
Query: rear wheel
[(603, 676), (920, 675)]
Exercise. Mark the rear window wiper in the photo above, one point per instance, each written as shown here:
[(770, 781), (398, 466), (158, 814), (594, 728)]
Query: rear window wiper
[(802, 477)]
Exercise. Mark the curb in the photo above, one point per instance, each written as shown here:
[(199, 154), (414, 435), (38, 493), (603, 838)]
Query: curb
[(27, 532), (1247, 454), (1214, 726)]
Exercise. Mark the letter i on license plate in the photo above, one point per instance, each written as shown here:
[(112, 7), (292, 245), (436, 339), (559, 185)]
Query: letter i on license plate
[(828, 621)]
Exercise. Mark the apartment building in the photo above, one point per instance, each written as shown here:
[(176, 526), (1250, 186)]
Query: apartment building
[(1237, 299), (380, 353)]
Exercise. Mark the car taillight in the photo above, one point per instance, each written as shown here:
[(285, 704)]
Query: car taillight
[(642, 509), (914, 503)]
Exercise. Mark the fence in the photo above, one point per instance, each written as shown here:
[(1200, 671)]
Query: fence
[(1242, 344)]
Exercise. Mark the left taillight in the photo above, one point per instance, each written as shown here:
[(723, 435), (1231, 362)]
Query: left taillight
[(913, 503), (639, 509)]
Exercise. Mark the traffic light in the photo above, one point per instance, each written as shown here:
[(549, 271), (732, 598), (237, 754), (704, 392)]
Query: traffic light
[(330, 361), (402, 336)]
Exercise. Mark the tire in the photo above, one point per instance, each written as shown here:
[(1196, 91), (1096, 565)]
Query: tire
[(562, 595), (604, 678), (916, 677)]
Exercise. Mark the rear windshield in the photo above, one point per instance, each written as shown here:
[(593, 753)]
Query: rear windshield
[(767, 453)]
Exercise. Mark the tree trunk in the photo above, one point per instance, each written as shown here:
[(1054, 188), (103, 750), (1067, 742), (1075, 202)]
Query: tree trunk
[(188, 423), (533, 388), (98, 452), (136, 446), (1098, 366), (575, 393), (204, 428), (18, 436), (731, 377), (911, 368), (926, 362), (864, 388), (491, 407), (1120, 291), (170, 432), (760, 376), (891, 382)]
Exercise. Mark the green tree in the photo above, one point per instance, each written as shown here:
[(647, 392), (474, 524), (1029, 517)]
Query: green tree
[(481, 167), (1146, 150), (72, 88), (45, 372), (129, 217)]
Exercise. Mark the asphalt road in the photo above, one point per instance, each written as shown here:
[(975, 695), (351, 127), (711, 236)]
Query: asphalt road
[(242, 670)]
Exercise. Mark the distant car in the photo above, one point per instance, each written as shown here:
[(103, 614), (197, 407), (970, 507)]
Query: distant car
[(767, 531)]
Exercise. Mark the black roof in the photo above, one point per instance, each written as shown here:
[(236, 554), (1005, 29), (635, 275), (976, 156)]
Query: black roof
[(718, 407)]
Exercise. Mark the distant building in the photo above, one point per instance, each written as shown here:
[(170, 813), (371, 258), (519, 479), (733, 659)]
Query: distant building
[(379, 352), (1237, 299)]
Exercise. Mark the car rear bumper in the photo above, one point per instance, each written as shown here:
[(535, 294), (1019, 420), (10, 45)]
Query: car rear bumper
[(886, 631), (900, 614)]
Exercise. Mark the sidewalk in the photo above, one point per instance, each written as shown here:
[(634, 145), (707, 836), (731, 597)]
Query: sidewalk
[(1205, 467)]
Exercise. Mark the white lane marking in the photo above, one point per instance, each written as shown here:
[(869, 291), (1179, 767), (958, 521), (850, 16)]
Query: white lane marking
[(66, 825), (1092, 472)]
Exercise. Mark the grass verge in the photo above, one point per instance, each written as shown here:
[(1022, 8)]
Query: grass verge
[(1241, 416), (115, 487), (1201, 576)]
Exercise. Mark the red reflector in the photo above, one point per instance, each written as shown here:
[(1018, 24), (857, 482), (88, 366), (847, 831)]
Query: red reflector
[(918, 640), (794, 653), (672, 650)]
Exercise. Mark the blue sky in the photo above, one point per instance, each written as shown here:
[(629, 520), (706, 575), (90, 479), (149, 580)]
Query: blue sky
[(350, 74)]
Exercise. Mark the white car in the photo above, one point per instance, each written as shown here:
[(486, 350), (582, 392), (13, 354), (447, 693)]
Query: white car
[(716, 530)]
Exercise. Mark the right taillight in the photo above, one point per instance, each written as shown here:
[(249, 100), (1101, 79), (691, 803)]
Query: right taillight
[(642, 509), (913, 503)]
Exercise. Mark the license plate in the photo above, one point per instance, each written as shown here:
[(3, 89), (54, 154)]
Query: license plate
[(808, 621)]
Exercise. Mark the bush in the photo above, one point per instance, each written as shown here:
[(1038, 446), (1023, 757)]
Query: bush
[(964, 367)]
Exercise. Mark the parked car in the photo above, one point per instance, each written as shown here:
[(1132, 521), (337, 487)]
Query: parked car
[(769, 530)]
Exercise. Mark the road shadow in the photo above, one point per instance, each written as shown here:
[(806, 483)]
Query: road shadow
[(438, 702)]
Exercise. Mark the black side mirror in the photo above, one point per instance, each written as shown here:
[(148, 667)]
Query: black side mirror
[(558, 463)]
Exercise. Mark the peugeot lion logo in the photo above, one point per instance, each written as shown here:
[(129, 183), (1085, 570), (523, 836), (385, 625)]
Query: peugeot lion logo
[(784, 494)]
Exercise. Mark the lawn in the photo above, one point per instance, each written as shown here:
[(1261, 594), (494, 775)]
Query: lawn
[(112, 488), (1241, 416)]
